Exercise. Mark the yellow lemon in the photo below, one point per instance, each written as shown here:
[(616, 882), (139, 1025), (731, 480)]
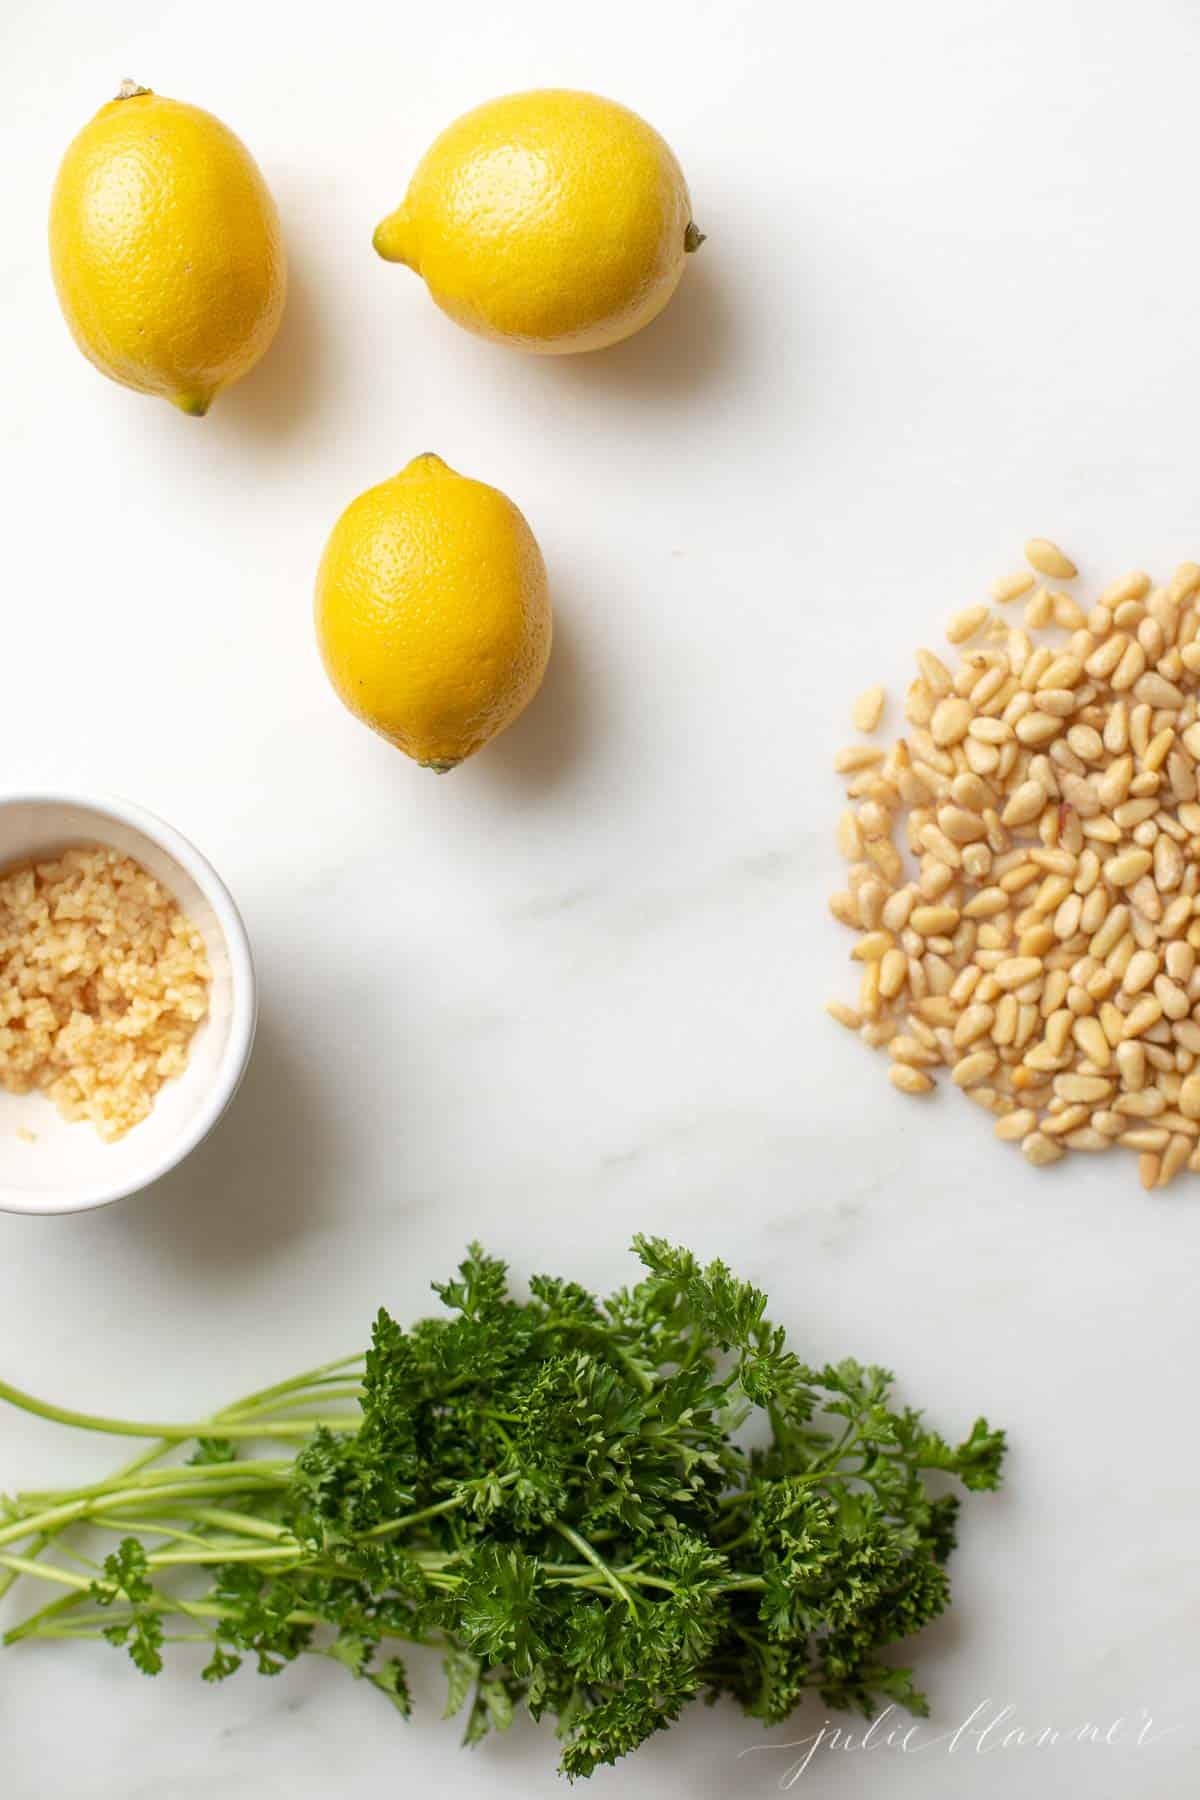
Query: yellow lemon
[(554, 220), (165, 248), (433, 613)]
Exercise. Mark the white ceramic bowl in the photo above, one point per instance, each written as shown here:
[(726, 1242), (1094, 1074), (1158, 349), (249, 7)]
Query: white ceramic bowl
[(67, 1168)]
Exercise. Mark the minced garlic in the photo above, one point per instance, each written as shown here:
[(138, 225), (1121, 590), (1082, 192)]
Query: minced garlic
[(103, 981)]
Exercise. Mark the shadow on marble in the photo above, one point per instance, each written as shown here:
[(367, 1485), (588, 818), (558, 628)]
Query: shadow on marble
[(264, 1177), (678, 353), (284, 390), (554, 732)]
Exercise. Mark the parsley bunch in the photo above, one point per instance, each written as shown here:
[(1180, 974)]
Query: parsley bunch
[(556, 1493)]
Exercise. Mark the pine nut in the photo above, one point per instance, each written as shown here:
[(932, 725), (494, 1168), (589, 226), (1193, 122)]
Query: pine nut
[(868, 709), (1120, 871), (1090, 1088), (1039, 610), (931, 920), (972, 1069), (1145, 1137), (893, 973), (1015, 971), (1085, 1138), (1048, 559), (1011, 587), (872, 946), (1090, 1037), (1016, 1124), (1045, 947), (951, 718), (1041, 1151), (909, 1080), (1144, 1016), (1173, 1159), (1140, 972), (964, 625), (857, 756)]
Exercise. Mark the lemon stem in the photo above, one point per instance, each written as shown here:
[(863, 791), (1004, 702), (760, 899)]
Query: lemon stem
[(693, 237), (129, 90)]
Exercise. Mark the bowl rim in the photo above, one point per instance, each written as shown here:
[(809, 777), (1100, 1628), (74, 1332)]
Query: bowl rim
[(243, 984)]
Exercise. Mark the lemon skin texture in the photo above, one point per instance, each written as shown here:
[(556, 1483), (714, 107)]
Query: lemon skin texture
[(554, 221), (433, 612), (166, 250)]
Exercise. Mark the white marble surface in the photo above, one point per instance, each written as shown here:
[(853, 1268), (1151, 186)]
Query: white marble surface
[(948, 298)]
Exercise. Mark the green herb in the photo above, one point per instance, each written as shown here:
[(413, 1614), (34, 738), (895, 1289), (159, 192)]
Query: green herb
[(552, 1493)]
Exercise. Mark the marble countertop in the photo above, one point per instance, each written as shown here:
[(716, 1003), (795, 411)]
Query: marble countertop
[(574, 990)]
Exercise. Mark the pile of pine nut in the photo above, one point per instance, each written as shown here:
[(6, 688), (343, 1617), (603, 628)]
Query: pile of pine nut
[(1040, 940)]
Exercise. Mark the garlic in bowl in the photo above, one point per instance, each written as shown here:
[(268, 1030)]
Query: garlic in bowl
[(114, 1101)]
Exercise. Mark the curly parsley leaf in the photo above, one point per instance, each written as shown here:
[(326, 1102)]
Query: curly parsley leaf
[(556, 1494)]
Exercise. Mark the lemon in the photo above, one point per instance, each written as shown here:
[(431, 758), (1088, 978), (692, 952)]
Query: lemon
[(553, 220), (165, 249), (433, 613)]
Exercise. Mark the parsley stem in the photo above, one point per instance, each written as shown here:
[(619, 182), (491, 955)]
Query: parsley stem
[(93, 1634), (841, 1448), (310, 1378), (136, 1469), (158, 1602), (225, 1553), (164, 1531), (578, 1575), (22, 1565), (597, 1561), (246, 1524), (265, 1473), (41, 1522), (30, 1626), (303, 1397), (43, 1624), (291, 1428), (120, 1500), (391, 1526), (35, 1549)]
